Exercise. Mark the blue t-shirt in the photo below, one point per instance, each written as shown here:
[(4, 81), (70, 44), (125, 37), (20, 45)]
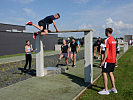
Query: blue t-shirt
[(48, 19)]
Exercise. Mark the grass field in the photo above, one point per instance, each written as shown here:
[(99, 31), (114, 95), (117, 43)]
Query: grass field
[(123, 79)]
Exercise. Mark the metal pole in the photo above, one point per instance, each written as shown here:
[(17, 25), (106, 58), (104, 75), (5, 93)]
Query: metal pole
[(88, 68), (39, 56)]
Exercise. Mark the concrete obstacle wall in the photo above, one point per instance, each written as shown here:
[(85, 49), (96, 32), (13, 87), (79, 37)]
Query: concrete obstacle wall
[(88, 59)]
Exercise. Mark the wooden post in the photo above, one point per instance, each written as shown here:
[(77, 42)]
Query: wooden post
[(88, 58), (39, 56)]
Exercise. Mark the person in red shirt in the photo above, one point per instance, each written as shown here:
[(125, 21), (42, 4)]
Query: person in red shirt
[(108, 63)]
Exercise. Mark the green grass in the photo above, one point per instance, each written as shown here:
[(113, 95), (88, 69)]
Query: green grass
[(123, 79), (20, 54)]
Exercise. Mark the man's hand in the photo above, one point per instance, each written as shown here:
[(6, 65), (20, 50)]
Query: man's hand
[(67, 56), (57, 30), (49, 30), (102, 63)]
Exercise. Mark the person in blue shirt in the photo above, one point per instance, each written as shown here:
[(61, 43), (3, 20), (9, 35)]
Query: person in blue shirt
[(43, 25)]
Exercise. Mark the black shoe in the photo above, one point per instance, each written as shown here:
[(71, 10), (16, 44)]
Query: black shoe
[(24, 71), (29, 70), (57, 65), (95, 57), (67, 68)]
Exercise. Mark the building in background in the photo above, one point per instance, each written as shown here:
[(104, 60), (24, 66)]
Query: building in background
[(13, 38), (129, 39)]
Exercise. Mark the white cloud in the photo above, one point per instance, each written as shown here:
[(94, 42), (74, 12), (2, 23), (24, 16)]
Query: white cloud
[(85, 26), (117, 24), (29, 12), (24, 1)]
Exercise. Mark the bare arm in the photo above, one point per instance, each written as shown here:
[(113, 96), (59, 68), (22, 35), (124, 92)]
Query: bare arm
[(78, 48), (55, 25), (31, 48), (106, 54), (100, 49)]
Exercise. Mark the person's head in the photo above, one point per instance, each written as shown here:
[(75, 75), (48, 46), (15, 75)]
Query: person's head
[(104, 41), (57, 16), (73, 40), (27, 42), (99, 38), (64, 42), (108, 31)]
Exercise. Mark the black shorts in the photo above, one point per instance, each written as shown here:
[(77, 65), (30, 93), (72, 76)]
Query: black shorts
[(40, 23), (98, 49), (108, 67), (75, 52), (117, 52), (102, 52), (65, 55)]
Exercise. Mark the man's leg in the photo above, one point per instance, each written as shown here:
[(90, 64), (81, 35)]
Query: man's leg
[(71, 57), (105, 80), (66, 63), (45, 32), (30, 60), (74, 59), (38, 27), (61, 56), (112, 80), (26, 62)]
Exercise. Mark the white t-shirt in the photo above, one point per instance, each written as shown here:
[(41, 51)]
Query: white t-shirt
[(118, 47), (103, 46)]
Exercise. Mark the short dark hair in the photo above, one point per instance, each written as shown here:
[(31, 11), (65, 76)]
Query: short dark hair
[(110, 30), (73, 38), (58, 14), (27, 41)]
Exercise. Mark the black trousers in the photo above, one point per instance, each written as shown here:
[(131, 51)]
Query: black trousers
[(28, 60)]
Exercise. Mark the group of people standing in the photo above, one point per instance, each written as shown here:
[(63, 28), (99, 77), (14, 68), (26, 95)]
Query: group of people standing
[(107, 50), (69, 49), (100, 46), (66, 50)]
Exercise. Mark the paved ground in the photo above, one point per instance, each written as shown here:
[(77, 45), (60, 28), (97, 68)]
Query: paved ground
[(61, 87)]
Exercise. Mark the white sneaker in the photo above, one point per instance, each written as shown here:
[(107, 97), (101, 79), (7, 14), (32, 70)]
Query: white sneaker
[(116, 65), (113, 90), (104, 92)]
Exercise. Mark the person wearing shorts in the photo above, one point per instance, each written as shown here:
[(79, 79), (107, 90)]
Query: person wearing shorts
[(43, 25), (64, 53), (98, 46), (108, 62), (74, 51), (117, 52)]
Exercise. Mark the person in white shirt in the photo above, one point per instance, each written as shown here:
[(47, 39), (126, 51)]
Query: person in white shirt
[(102, 49), (117, 52)]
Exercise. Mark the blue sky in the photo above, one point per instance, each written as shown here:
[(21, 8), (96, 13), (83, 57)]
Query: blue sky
[(75, 14)]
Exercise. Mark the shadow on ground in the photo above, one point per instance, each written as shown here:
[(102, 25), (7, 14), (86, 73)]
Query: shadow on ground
[(77, 80)]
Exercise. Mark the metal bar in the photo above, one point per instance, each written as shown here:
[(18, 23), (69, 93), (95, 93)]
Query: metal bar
[(65, 31)]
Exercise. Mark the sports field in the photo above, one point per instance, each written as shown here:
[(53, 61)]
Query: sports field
[(124, 82)]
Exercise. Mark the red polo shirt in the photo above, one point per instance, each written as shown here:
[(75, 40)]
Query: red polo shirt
[(111, 45)]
